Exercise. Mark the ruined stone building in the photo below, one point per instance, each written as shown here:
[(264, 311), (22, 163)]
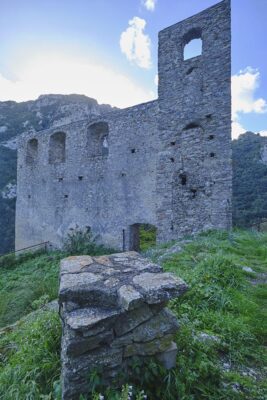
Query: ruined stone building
[(166, 162)]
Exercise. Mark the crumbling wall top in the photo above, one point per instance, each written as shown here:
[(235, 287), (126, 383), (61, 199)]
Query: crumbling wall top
[(122, 281)]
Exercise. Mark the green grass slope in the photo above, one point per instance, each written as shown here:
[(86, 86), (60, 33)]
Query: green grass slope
[(221, 339), (24, 282)]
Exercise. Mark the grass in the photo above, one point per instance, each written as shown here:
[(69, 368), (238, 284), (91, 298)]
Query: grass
[(25, 280), (148, 234), (32, 278), (222, 334), (30, 358), (221, 302)]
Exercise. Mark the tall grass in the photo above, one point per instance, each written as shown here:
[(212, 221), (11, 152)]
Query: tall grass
[(24, 281), (222, 326), (30, 277), (30, 359)]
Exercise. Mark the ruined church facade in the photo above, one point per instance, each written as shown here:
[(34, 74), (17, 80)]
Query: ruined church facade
[(166, 162)]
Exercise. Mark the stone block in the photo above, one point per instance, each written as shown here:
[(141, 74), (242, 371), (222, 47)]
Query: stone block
[(129, 297), (168, 356), (159, 287)]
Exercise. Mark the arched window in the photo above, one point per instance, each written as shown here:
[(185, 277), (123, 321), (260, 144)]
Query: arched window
[(32, 151), (192, 44), (57, 148), (98, 139)]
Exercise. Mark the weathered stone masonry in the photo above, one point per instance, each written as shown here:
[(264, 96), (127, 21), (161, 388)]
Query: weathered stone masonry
[(166, 163), (113, 309)]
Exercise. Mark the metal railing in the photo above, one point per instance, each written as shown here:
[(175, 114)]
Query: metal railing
[(44, 244)]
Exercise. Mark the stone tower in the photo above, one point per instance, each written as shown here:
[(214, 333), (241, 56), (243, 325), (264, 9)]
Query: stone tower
[(194, 172), (166, 163)]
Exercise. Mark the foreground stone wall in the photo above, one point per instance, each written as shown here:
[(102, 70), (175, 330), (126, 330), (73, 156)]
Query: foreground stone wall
[(113, 308)]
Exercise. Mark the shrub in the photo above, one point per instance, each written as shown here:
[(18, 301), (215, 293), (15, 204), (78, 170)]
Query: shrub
[(80, 241)]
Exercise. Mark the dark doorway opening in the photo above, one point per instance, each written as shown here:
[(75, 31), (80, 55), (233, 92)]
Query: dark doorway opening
[(142, 236)]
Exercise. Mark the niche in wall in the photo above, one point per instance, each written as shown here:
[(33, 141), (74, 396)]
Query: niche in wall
[(57, 148), (98, 139), (32, 151)]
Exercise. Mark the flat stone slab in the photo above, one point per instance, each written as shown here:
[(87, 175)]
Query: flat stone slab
[(89, 317), (120, 280), (75, 264), (70, 281), (159, 287)]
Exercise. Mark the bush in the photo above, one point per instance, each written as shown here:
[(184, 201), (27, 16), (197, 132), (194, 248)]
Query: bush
[(83, 242)]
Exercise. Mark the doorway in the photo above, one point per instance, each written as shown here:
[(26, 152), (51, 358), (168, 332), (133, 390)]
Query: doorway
[(142, 236)]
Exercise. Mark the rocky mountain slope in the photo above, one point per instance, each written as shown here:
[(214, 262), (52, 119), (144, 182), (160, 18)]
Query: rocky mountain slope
[(15, 118)]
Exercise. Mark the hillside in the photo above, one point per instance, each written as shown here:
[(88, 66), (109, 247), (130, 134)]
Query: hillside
[(222, 324), (249, 179), (15, 118)]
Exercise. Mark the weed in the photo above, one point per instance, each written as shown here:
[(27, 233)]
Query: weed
[(83, 242)]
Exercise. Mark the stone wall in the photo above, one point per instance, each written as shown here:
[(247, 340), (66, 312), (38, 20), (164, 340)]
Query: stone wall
[(105, 188), (194, 171), (166, 163), (113, 308)]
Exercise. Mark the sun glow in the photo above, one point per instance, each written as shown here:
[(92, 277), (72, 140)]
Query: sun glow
[(63, 74)]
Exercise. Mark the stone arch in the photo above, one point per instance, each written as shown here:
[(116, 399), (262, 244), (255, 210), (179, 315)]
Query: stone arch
[(57, 148), (192, 43), (98, 134), (140, 235), (32, 151)]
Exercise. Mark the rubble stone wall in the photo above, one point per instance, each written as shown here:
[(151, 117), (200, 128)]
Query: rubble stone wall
[(113, 308), (166, 163)]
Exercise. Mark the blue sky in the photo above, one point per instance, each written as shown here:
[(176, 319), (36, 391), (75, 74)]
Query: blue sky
[(107, 49)]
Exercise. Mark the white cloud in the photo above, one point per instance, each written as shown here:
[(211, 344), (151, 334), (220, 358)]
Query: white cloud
[(135, 44), (244, 101), (149, 4), (156, 80), (263, 133), (55, 73), (244, 85)]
